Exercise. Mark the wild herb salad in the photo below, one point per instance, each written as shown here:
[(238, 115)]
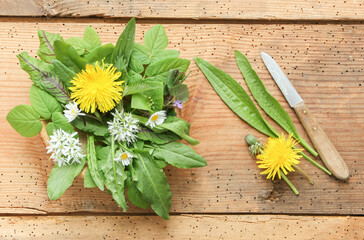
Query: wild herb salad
[(123, 98)]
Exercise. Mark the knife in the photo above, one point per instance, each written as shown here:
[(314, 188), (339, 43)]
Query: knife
[(324, 147)]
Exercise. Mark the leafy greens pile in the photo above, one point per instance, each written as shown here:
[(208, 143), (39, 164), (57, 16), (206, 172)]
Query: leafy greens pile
[(151, 79)]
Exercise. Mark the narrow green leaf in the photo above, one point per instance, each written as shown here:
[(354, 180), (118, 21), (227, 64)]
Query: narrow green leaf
[(61, 178), (66, 54), (46, 50), (91, 125), (159, 71), (64, 73), (136, 197), (44, 103), (88, 182), (147, 134), (152, 183), (115, 177), (235, 97), (125, 43), (92, 162), (179, 155), (91, 38), (25, 120), (266, 101)]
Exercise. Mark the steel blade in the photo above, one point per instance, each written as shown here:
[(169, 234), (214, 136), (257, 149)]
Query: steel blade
[(289, 92)]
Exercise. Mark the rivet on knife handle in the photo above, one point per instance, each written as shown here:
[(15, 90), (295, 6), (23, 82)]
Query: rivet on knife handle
[(324, 147)]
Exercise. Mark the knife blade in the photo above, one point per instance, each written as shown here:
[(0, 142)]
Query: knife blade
[(324, 147)]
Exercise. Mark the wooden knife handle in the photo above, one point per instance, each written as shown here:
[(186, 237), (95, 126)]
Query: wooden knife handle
[(322, 143)]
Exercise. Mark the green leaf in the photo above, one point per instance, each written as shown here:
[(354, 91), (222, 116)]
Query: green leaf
[(61, 178), (140, 87), (180, 92), (101, 53), (44, 103), (163, 54), (66, 54), (125, 43), (88, 182), (136, 65), (25, 120), (152, 183), (141, 52), (115, 177), (155, 39), (92, 163), (151, 100), (43, 76), (50, 128), (64, 73), (235, 97), (60, 121), (133, 78), (91, 126), (78, 44), (147, 134), (266, 101), (159, 71), (91, 38), (46, 50), (179, 155), (136, 197)]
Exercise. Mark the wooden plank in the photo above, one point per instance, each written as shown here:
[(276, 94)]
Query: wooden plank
[(192, 9), (182, 227), (324, 62)]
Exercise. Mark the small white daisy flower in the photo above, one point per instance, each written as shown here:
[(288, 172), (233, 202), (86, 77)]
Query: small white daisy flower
[(124, 157), (65, 149), (72, 111), (124, 127), (157, 118)]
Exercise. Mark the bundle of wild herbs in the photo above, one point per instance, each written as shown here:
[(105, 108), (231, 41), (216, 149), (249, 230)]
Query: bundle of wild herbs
[(279, 156), (123, 99)]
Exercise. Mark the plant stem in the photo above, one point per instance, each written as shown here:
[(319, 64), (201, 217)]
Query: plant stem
[(315, 163), (98, 116), (303, 173), (289, 183), (91, 116)]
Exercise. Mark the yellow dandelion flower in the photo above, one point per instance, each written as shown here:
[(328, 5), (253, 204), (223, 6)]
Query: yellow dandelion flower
[(277, 155), (97, 87)]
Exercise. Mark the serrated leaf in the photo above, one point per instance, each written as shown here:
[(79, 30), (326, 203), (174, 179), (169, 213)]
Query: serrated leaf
[(44, 103), (141, 53), (46, 50), (91, 38), (136, 65), (179, 155), (78, 44), (61, 178), (152, 183), (131, 89), (64, 73), (92, 163), (88, 182), (90, 125), (136, 197), (25, 120), (159, 71), (125, 43), (180, 92), (134, 78), (66, 54), (115, 177), (155, 39), (147, 134)]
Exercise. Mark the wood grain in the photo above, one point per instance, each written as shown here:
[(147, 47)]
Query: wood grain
[(192, 9), (182, 227), (323, 61)]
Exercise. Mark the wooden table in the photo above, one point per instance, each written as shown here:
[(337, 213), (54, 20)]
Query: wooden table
[(319, 44)]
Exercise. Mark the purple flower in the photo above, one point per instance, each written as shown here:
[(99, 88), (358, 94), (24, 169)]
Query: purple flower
[(177, 104)]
